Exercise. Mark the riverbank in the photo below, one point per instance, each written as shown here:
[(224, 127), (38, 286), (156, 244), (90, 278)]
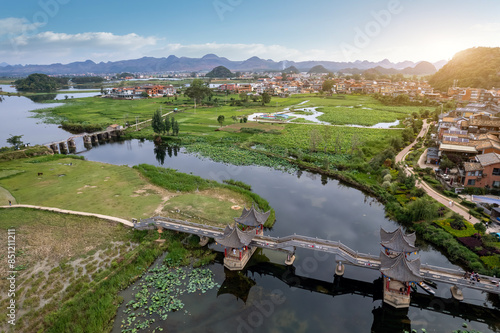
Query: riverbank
[(72, 267)]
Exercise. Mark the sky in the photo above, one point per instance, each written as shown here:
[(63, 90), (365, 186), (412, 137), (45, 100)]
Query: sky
[(63, 31)]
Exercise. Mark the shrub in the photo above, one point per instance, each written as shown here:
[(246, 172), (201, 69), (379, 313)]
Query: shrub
[(457, 222), (480, 227)]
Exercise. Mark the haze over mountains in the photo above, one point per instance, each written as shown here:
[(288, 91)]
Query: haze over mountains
[(206, 63)]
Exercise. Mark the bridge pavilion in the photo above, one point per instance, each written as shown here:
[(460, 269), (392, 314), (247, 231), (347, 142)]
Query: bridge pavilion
[(237, 238), (398, 271)]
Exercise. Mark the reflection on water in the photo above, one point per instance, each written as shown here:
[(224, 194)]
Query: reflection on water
[(272, 297), (42, 98)]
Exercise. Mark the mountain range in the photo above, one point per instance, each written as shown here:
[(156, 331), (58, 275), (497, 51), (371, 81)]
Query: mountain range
[(185, 64)]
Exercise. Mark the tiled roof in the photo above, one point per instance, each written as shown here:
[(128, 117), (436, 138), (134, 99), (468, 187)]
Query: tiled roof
[(469, 166), (488, 159), (458, 148)]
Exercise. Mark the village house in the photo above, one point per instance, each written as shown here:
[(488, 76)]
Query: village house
[(484, 171)]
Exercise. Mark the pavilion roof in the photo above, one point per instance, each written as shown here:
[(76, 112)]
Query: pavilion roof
[(252, 217), (235, 238), (400, 268), (398, 241)]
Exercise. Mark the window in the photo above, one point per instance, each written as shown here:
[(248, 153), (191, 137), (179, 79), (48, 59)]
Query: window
[(496, 183), (471, 182), (496, 172)]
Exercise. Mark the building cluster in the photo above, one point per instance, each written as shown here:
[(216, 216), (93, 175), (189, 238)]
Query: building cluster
[(141, 91), (470, 134), (305, 83)]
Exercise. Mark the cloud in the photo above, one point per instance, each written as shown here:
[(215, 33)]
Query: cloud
[(51, 47), (13, 26), (487, 27), (88, 40)]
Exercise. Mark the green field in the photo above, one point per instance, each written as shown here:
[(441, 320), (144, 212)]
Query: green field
[(358, 110), (299, 136), (120, 191)]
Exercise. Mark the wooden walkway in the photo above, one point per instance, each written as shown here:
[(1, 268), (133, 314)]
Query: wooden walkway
[(346, 254)]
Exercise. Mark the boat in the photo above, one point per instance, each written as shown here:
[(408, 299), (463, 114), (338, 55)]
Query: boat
[(430, 283), (426, 288)]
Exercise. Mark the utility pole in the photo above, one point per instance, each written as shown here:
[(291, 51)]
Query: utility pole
[(136, 123)]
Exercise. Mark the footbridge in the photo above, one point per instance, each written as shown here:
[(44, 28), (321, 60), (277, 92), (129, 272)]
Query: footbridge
[(344, 254), (69, 145)]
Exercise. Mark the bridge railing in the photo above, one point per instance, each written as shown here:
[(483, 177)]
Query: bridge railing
[(443, 269)]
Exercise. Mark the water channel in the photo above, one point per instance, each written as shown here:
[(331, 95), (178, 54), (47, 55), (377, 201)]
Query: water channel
[(269, 296)]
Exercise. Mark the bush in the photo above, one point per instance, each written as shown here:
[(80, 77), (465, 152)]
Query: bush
[(451, 194), (457, 222), (468, 204), (251, 130), (480, 227)]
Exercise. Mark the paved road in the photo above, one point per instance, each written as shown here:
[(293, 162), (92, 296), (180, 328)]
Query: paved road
[(456, 207), (65, 211)]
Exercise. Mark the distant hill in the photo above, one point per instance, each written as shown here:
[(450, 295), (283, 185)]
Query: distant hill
[(291, 70), (476, 67), (220, 71), (422, 68), (318, 69), (3, 64), (439, 64), (173, 63)]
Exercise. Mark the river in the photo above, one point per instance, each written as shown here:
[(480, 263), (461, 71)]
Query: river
[(304, 298)]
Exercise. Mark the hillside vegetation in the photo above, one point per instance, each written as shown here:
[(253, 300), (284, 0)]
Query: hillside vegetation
[(476, 68)]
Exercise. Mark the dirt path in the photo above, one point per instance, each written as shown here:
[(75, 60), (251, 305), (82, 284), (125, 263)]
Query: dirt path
[(65, 211)]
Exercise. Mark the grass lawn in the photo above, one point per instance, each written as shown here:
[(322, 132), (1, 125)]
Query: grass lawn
[(467, 232), (54, 251), (81, 186), (214, 206)]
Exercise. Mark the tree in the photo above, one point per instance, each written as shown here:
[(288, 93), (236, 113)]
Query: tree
[(144, 94), (266, 98), (175, 127), (197, 91), (480, 227), (244, 96), (355, 143), (408, 134), (15, 140), (37, 82), (157, 123), (315, 138), (327, 136), (234, 118), (327, 85), (220, 119), (167, 125)]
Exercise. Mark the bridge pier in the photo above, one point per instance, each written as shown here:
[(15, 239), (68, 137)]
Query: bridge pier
[(339, 269), (55, 148), (203, 240), (94, 139), (290, 256), (456, 293), (63, 147), (71, 145)]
